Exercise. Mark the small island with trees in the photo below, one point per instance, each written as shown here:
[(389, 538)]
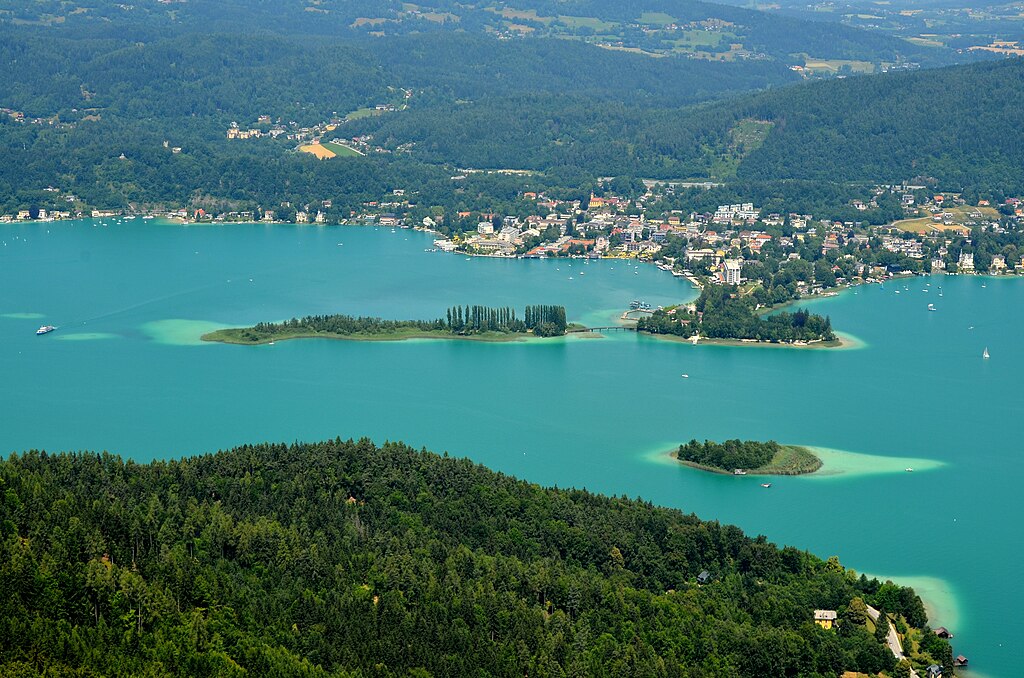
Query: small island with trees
[(721, 313), (748, 456), (481, 323)]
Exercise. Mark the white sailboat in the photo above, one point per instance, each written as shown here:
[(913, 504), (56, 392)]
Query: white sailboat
[(985, 353)]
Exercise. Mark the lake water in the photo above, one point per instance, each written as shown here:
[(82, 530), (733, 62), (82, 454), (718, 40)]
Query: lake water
[(125, 373)]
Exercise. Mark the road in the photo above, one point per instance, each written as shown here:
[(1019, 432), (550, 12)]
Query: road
[(892, 640)]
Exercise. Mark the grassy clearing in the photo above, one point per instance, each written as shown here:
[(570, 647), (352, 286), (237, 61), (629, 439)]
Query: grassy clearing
[(441, 17), (925, 42), (631, 50), (362, 113), (791, 460), (586, 22), (959, 218), (341, 150), (702, 38), (747, 135), (525, 15), (656, 19)]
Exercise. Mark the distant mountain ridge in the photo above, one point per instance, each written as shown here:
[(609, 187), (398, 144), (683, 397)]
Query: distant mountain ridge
[(651, 26)]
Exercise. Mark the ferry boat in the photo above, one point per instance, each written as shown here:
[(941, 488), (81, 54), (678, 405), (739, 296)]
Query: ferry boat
[(45, 329)]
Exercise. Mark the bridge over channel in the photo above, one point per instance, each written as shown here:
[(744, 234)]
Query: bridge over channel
[(609, 328)]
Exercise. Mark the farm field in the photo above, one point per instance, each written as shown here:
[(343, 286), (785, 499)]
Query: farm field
[(319, 150)]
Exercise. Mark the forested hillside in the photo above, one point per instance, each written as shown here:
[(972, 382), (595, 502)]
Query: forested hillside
[(951, 124), (342, 558)]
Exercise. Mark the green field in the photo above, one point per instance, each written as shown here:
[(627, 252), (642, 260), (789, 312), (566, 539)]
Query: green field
[(341, 151), (925, 42), (702, 38), (586, 22), (521, 15), (362, 113), (656, 19), (962, 217)]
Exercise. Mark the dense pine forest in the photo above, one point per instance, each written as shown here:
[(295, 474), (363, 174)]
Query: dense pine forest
[(345, 558)]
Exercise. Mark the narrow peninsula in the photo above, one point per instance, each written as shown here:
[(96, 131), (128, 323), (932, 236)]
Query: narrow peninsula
[(723, 313), (742, 457), (480, 323)]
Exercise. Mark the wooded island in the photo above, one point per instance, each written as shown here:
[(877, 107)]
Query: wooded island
[(748, 456), (720, 312), (463, 322)]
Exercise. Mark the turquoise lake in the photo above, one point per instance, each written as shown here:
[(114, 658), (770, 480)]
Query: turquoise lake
[(125, 373)]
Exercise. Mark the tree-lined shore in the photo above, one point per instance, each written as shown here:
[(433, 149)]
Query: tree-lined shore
[(469, 322)]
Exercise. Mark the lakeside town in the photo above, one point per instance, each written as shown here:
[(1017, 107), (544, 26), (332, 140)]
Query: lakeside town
[(792, 254)]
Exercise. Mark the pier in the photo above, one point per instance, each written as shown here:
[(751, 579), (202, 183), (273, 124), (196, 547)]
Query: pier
[(627, 315)]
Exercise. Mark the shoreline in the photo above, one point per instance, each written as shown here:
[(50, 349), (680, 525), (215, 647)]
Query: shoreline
[(486, 337), (494, 339), (842, 342)]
